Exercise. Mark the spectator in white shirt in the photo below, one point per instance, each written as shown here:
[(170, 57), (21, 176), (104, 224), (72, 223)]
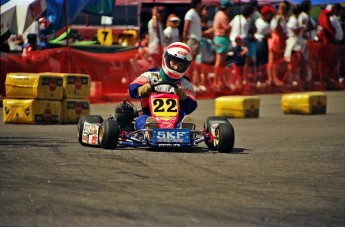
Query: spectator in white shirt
[(263, 32), (171, 32)]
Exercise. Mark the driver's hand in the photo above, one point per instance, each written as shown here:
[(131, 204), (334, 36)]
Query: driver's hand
[(144, 90), (181, 93)]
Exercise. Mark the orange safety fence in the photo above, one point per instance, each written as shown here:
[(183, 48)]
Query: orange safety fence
[(111, 73)]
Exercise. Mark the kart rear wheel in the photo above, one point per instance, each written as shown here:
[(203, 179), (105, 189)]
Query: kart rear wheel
[(90, 119), (208, 124), (225, 138), (109, 134)]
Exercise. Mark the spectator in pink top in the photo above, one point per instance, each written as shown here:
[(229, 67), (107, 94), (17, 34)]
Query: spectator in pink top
[(221, 39)]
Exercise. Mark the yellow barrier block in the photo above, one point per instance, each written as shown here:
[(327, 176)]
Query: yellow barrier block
[(75, 86), (237, 106), (73, 109), (34, 85), (31, 111), (304, 103)]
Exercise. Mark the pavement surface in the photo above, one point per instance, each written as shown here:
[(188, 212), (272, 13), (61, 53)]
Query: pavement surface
[(285, 170)]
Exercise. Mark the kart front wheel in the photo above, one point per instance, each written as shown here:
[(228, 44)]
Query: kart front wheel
[(212, 120), (109, 134), (224, 138), (93, 119)]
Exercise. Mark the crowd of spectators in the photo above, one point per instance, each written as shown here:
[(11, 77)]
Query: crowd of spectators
[(265, 44)]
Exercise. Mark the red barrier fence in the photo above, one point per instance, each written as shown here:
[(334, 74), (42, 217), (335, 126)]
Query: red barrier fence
[(111, 73)]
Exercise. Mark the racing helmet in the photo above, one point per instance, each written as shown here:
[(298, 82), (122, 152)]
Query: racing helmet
[(176, 61)]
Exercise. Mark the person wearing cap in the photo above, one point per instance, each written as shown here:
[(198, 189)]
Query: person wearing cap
[(156, 35), (326, 31), (221, 39), (171, 32), (263, 32)]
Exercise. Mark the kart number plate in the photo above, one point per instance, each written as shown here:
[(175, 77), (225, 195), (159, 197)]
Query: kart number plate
[(161, 135), (165, 107)]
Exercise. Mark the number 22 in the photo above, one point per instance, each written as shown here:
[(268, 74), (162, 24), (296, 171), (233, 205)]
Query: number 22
[(159, 105)]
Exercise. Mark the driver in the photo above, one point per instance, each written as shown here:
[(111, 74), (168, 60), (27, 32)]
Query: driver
[(175, 63)]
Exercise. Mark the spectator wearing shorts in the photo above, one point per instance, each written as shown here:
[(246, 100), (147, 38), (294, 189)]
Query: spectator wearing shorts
[(221, 40), (192, 35), (276, 44)]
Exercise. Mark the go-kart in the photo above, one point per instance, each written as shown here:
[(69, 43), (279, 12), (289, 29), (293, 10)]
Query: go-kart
[(119, 129)]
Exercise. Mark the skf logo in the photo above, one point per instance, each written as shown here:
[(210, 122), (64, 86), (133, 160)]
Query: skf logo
[(182, 53), (170, 135)]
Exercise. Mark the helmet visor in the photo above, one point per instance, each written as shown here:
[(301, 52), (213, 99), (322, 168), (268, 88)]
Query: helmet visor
[(176, 64)]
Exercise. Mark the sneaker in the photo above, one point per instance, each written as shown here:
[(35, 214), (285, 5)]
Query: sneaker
[(187, 122), (151, 123)]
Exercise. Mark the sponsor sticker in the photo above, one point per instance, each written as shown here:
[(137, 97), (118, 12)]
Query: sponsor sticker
[(161, 135)]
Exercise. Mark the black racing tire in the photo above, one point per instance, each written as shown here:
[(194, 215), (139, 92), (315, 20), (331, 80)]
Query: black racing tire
[(209, 121), (88, 118), (109, 134), (225, 138)]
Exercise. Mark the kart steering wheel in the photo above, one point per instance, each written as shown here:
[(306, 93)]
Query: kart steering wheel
[(153, 86)]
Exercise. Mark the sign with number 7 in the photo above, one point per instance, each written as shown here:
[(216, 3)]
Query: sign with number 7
[(105, 36)]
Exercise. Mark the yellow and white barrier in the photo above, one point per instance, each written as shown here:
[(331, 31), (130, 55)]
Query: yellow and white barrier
[(34, 85), (73, 109), (237, 106), (304, 103), (75, 86), (31, 111)]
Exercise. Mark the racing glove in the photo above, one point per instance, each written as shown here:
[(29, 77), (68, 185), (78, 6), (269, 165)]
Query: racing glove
[(181, 94), (144, 90)]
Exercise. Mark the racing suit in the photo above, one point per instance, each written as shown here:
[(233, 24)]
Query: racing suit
[(152, 76)]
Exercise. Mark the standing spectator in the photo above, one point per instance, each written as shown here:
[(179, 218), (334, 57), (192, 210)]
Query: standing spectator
[(339, 37), (335, 21), (240, 52), (307, 32), (192, 35), (221, 39), (156, 35), (206, 24), (171, 32), (250, 66), (263, 32), (326, 31), (239, 24), (276, 44), (240, 27), (192, 32), (305, 20), (31, 46), (294, 48)]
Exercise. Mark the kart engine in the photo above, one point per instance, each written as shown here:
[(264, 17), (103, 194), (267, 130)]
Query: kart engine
[(125, 114)]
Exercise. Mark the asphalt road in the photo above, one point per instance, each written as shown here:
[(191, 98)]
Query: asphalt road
[(286, 170)]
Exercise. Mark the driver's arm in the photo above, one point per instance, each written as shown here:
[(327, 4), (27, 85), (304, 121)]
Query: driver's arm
[(135, 86), (189, 104)]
